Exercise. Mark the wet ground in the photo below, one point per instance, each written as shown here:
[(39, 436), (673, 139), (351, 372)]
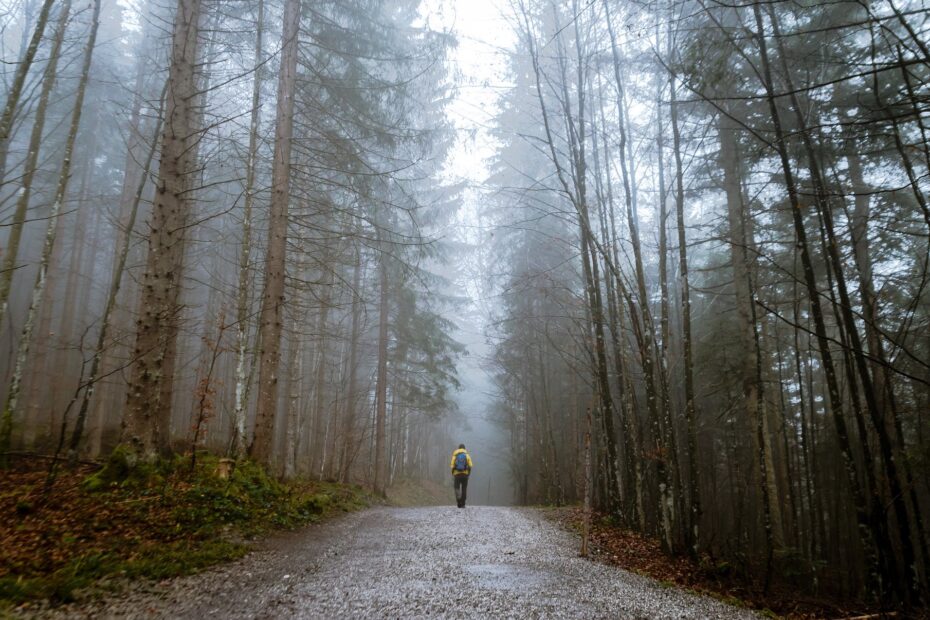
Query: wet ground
[(480, 562)]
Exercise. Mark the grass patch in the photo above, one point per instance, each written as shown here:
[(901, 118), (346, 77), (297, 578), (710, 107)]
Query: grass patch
[(152, 522)]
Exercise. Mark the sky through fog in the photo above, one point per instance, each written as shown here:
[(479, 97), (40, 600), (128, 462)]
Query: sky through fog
[(478, 64)]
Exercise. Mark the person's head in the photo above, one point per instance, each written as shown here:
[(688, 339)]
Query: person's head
[(461, 446)]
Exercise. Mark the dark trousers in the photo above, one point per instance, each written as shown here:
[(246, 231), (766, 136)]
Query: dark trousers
[(461, 486)]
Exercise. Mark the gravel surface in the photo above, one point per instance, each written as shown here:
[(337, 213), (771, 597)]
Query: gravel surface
[(412, 562)]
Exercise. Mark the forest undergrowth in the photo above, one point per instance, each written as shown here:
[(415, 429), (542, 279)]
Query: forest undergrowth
[(101, 525), (724, 580)]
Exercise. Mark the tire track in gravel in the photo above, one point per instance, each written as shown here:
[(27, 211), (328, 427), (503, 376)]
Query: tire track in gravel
[(480, 562)]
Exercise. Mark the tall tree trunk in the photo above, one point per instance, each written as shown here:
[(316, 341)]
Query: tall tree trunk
[(69, 358), (604, 192), (141, 147), (753, 391), (351, 398), (38, 291), (380, 472), (30, 166), (11, 107), (577, 135), (148, 407), (116, 280), (82, 259), (616, 294), (588, 479), (807, 447), (41, 400), (198, 103), (873, 404), (245, 252), (647, 342), (294, 367), (575, 190), (884, 390), (868, 527), (694, 478), (320, 412), (662, 352), (273, 297)]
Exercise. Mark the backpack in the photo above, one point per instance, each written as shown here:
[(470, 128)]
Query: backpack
[(461, 462)]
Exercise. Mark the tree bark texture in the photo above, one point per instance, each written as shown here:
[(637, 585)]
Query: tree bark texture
[(272, 308), (148, 408)]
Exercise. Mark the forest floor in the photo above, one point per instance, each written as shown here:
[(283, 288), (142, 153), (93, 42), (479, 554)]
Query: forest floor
[(409, 562), (103, 543), (629, 550), (97, 528)]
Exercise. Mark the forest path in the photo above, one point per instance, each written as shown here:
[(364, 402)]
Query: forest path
[(414, 562)]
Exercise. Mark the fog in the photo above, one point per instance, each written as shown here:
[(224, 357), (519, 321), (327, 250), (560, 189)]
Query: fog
[(666, 259)]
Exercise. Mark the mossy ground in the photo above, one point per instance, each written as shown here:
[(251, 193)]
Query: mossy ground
[(154, 522)]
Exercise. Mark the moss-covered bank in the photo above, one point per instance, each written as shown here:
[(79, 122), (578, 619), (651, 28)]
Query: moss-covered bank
[(152, 522)]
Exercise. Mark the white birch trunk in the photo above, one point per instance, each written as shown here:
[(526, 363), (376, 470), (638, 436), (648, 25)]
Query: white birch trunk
[(19, 81), (38, 290), (11, 253), (242, 314)]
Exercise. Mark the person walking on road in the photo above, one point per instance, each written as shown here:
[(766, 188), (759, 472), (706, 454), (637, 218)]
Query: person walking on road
[(461, 468)]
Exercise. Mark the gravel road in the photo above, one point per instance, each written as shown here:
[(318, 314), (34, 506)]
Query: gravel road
[(480, 562)]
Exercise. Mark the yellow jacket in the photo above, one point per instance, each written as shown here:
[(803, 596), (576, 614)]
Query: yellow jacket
[(452, 463)]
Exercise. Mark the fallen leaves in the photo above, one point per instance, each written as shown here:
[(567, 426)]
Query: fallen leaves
[(644, 555), (172, 522)]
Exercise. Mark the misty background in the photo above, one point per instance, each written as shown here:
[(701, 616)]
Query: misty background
[(669, 259)]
